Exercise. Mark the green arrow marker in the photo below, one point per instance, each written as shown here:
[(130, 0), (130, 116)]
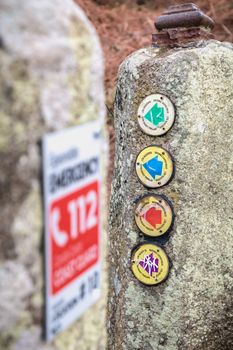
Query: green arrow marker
[(155, 115)]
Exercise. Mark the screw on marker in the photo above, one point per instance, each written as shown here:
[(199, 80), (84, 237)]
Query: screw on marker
[(181, 24)]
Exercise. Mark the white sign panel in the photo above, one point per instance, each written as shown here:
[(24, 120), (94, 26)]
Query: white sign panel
[(71, 170)]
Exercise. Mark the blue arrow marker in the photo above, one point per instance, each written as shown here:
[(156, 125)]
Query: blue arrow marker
[(154, 167)]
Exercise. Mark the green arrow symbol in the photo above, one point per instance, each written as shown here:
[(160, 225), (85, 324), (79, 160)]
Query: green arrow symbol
[(155, 115)]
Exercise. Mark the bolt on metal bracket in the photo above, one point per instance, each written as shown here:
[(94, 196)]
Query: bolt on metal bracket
[(181, 24)]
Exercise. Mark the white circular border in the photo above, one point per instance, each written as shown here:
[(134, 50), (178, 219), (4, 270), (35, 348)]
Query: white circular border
[(169, 114)]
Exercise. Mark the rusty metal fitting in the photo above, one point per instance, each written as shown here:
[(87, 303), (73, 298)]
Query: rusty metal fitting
[(181, 24)]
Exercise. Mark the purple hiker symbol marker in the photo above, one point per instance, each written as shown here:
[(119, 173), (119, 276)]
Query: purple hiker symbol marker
[(150, 264)]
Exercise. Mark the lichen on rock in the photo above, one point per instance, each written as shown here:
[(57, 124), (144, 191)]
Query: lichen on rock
[(51, 77), (192, 308)]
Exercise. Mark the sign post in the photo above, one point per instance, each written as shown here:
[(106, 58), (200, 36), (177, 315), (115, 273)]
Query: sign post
[(71, 170), (171, 205)]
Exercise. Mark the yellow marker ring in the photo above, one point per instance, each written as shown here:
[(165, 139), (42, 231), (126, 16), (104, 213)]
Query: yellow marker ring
[(153, 215), (154, 166), (150, 264)]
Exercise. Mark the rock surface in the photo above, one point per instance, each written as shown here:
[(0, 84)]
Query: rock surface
[(193, 308), (51, 77)]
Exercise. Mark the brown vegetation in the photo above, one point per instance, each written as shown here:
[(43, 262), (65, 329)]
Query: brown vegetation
[(125, 26)]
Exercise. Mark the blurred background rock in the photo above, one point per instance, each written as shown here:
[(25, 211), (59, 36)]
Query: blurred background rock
[(51, 68)]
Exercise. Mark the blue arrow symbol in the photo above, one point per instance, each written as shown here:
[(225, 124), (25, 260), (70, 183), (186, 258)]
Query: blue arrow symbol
[(154, 167)]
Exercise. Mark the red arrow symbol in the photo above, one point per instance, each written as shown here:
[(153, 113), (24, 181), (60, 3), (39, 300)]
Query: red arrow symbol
[(153, 217)]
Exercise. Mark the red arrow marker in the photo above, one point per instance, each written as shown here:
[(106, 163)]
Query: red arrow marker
[(153, 217)]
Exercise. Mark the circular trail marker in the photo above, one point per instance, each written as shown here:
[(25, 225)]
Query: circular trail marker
[(154, 166), (156, 115), (154, 215), (150, 264)]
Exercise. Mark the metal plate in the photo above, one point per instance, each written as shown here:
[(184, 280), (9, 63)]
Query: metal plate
[(153, 215), (156, 115), (154, 166), (150, 264)]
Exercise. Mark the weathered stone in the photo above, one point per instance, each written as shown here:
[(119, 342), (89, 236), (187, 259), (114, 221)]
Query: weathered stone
[(15, 288), (193, 308), (31, 340), (51, 77)]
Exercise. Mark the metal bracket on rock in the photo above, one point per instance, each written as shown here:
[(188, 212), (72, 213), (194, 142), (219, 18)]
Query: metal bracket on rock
[(181, 24)]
